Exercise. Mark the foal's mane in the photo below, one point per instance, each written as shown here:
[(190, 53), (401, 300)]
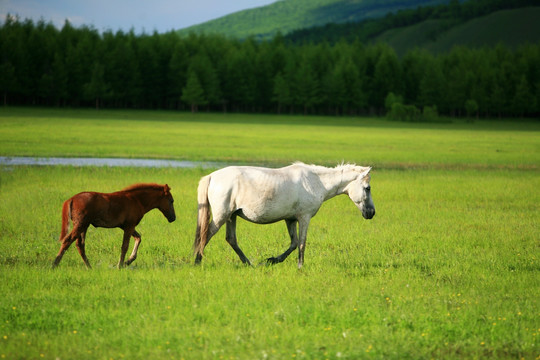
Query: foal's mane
[(143, 186)]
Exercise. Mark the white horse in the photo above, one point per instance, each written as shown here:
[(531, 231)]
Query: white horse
[(263, 196)]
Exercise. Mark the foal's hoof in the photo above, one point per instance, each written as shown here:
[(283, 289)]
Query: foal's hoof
[(272, 261)]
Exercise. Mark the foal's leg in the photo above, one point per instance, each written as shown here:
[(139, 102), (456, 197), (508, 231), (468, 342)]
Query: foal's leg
[(231, 239), (66, 243), (80, 246), (291, 227), (137, 238), (302, 234), (125, 245)]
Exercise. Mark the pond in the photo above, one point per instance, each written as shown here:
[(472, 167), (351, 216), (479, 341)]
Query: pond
[(110, 162)]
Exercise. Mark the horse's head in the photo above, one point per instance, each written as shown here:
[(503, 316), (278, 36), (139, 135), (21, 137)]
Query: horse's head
[(359, 192), (166, 204)]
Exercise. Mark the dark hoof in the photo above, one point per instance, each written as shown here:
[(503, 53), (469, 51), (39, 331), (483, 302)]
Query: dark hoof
[(272, 261)]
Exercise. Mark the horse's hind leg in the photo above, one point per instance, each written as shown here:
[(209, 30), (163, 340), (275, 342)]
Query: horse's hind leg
[(291, 227), (80, 246), (66, 243), (212, 230), (137, 238), (231, 239)]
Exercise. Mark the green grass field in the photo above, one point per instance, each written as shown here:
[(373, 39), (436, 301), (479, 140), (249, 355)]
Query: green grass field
[(448, 268), (268, 139)]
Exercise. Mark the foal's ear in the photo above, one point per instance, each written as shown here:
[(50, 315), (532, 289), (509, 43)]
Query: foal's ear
[(167, 189)]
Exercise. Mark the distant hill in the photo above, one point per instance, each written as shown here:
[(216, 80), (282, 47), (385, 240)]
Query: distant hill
[(509, 27), (288, 15)]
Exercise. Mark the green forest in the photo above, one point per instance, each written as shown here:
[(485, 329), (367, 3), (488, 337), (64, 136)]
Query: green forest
[(445, 17), (41, 65)]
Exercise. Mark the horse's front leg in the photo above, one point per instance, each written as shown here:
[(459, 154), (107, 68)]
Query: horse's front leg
[(293, 234), (302, 234), (137, 238), (125, 245)]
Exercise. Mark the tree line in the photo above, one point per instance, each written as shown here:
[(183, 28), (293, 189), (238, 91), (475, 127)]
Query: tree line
[(79, 67)]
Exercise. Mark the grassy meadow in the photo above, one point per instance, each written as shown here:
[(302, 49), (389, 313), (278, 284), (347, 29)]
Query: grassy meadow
[(268, 139), (448, 267)]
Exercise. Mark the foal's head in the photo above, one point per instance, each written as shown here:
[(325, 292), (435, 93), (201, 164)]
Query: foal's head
[(359, 192), (165, 204)]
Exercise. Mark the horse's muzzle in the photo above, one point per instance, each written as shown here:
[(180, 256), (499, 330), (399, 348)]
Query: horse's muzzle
[(171, 218), (368, 213)]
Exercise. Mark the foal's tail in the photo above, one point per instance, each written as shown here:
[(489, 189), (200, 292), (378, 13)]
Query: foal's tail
[(66, 215), (203, 217)]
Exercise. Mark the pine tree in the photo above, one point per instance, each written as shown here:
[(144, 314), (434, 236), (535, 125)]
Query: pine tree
[(332, 90), (8, 80), (307, 84), (96, 89), (193, 93), (524, 101), (177, 71), (281, 93), (432, 85), (497, 99), (387, 76), (59, 80), (208, 77)]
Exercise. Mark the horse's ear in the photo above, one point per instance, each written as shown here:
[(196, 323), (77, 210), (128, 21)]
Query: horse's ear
[(366, 171), (167, 189)]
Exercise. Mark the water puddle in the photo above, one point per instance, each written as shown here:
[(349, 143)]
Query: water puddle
[(109, 162)]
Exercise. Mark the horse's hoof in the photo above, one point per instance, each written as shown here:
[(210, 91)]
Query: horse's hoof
[(272, 261)]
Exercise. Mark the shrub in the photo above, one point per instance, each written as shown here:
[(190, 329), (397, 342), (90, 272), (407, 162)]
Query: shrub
[(402, 112), (392, 99), (430, 113)]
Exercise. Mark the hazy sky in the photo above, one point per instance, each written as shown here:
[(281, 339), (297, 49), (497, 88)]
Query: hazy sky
[(145, 15)]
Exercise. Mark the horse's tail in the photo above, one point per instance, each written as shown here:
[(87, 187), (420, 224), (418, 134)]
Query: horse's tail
[(203, 216), (66, 215)]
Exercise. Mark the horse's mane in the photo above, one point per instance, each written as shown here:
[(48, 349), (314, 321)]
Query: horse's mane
[(342, 166), (143, 186)]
